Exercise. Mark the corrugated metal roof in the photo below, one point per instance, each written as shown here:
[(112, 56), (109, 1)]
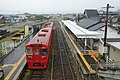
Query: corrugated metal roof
[(80, 32)]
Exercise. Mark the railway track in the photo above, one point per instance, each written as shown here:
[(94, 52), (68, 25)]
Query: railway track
[(63, 61), (35, 75), (59, 67)]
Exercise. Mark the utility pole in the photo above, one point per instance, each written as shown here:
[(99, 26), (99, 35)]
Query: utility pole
[(106, 25)]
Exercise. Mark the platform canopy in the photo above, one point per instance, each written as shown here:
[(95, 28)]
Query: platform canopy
[(80, 32)]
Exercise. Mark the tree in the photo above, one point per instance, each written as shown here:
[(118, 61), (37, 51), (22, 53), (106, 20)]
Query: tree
[(38, 17)]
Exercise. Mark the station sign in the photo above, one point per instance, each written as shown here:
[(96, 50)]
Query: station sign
[(105, 49)]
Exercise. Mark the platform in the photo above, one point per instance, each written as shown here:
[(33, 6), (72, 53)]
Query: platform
[(13, 62)]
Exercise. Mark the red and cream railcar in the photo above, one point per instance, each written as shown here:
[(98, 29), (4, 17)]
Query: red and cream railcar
[(38, 49)]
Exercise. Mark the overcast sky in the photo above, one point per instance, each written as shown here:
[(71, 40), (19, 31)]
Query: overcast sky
[(54, 6)]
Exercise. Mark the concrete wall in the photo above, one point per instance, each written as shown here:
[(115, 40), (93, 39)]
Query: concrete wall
[(114, 53)]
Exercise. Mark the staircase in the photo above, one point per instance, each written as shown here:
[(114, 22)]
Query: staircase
[(114, 75), (112, 70)]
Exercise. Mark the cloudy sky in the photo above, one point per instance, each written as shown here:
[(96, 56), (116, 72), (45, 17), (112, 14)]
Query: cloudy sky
[(54, 6)]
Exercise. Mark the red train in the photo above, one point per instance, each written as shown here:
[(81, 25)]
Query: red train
[(38, 49)]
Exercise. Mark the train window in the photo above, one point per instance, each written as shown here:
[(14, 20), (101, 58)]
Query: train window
[(28, 51), (36, 51), (44, 51)]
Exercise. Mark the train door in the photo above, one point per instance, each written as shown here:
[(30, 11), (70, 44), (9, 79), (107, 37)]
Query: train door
[(36, 55), (29, 53), (29, 56)]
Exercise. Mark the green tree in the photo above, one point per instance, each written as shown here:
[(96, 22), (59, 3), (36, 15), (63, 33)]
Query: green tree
[(39, 17)]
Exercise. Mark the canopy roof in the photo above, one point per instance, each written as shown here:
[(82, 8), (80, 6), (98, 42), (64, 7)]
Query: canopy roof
[(80, 32)]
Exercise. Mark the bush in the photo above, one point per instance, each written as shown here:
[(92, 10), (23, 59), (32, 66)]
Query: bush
[(100, 57), (27, 74)]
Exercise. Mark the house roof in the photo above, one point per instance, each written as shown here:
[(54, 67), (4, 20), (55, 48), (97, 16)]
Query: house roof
[(1, 16), (111, 33), (115, 44), (85, 23), (91, 13), (118, 13), (90, 24), (96, 27)]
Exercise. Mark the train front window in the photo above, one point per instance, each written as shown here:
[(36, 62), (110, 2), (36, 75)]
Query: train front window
[(44, 51), (28, 51), (36, 51)]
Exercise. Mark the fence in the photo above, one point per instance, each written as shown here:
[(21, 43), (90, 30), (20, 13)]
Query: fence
[(112, 64), (5, 48)]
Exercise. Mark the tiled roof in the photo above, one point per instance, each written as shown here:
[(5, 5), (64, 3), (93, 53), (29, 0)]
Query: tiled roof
[(91, 13), (87, 23), (96, 27)]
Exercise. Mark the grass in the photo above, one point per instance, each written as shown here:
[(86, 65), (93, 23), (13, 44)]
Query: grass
[(27, 74), (14, 29)]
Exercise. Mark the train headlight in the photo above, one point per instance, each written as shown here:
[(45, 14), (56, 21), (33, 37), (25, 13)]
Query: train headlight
[(43, 57), (29, 57)]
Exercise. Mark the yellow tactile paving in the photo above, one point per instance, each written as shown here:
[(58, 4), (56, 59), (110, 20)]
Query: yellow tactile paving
[(14, 67), (6, 65)]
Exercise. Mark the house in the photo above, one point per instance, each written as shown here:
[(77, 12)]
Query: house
[(91, 13), (18, 17), (93, 22), (2, 18)]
